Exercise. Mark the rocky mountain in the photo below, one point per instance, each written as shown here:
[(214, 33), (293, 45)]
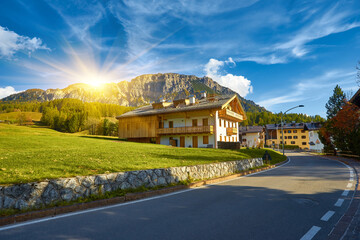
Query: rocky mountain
[(139, 91)]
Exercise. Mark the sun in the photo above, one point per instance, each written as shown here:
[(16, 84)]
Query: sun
[(95, 82)]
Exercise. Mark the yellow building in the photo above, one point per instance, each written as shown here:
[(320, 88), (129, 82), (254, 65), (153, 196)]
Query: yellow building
[(295, 134)]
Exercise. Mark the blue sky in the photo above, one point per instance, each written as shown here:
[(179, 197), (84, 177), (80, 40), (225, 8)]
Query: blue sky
[(276, 53)]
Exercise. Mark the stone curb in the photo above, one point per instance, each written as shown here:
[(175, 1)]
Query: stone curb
[(343, 224), (51, 212)]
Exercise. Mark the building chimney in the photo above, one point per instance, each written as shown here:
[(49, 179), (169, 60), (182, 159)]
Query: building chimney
[(203, 94), (192, 99)]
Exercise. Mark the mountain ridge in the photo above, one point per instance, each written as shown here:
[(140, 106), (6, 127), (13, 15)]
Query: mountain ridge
[(140, 90)]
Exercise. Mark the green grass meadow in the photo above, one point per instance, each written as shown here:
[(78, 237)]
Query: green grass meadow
[(13, 116), (33, 153)]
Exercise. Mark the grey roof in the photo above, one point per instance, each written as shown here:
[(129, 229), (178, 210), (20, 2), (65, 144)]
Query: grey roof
[(313, 126), (251, 129), (305, 126), (356, 98), (286, 126), (202, 104)]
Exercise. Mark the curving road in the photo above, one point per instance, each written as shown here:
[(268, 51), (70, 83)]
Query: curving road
[(299, 200)]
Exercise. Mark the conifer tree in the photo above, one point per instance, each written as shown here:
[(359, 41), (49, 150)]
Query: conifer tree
[(336, 101)]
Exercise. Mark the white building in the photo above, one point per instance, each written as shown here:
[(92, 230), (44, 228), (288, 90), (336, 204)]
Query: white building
[(314, 141), (252, 136)]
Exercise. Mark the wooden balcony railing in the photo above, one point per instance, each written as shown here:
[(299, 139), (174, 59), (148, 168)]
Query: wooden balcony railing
[(226, 113), (185, 130), (231, 131)]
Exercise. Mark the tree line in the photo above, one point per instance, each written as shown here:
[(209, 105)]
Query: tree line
[(263, 118), (72, 115), (341, 130)]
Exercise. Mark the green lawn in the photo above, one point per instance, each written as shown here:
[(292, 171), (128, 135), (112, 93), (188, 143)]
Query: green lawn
[(32, 153)]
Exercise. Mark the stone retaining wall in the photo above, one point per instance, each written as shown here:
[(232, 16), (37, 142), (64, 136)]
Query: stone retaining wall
[(37, 194)]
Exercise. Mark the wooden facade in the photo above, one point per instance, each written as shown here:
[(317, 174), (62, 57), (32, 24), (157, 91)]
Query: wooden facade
[(138, 127), (198, 125)]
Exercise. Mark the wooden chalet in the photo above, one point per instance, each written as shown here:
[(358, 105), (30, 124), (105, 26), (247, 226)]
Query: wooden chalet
[(187, 122)]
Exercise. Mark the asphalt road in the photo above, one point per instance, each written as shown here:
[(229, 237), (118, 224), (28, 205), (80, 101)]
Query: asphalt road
[(283, 203)]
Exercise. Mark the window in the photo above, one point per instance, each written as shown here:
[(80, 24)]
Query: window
[(303, 137), (311, 134), (295, 137), (205, 139), (220, 138), (285, 142), (292, 142), (303, 143), (295, 131), (205, 122), (281, 142), (171, 124), (289, 131), (225, 123), (273, 142), (194, 122), (285, 137), (289, 137), (302, 131), (220, 122)]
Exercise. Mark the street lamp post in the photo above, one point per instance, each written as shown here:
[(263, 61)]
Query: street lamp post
[(282, 128)]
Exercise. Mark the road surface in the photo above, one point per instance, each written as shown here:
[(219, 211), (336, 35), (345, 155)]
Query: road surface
[(300, 200)]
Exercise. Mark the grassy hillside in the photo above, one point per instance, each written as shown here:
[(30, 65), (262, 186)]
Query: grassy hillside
[(13, 116), (33, 153)]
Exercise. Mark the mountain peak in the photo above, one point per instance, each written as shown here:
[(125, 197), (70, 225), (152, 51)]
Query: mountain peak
[(141, 90)]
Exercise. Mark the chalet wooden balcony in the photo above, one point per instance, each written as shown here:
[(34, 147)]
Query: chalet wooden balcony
[(231, 131), (228, 114), (185, 130)]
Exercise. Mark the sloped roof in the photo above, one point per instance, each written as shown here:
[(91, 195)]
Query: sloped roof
[(202, 104), (356, 98), (251, 129), (313, 126), (286, 126)]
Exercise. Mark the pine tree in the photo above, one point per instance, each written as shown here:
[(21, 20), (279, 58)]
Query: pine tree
[(336, 101)]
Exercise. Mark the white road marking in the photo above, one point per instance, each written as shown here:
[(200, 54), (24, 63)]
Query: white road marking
[(349, 185), (351, 179), (16, 225), (345, 193), (311, 233), (327, 216), (339, 202)]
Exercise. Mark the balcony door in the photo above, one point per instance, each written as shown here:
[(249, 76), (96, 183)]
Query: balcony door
[(205, 122), (194, 123), (194, 141), (182, 141)]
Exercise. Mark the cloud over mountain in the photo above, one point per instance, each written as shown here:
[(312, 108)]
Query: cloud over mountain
[(239, 84)]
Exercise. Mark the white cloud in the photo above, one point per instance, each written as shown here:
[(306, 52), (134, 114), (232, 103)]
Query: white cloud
[(311, 89), (7, 91), (11, 42), (331, 22), (266, 60), (239, 84)]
